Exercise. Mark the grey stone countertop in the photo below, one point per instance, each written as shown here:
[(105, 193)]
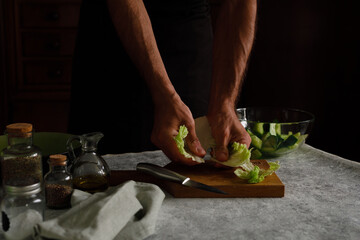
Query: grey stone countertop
[(322, 201)]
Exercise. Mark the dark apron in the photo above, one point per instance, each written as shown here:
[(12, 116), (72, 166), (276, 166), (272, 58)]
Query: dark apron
[(109, 95)]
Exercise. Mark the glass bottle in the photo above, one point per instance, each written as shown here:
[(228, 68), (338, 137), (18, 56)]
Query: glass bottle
[(58, 183), (21, 209), (89, 170), (21, 162)]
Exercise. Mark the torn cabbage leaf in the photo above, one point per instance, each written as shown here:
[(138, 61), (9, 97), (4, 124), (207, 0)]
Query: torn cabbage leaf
[(239, 156), (203, 132), (257, 175), (180, 143)]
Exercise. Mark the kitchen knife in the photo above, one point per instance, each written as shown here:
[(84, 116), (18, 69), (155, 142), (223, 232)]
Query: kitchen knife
[(166, 174)]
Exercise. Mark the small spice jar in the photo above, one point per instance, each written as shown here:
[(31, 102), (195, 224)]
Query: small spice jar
[(21, 162), (21, 209), (58, 183)]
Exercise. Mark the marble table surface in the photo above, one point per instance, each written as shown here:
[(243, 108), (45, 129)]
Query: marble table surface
[(322, 201)]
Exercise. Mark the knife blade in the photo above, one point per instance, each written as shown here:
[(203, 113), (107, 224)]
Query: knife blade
[(167, 174)]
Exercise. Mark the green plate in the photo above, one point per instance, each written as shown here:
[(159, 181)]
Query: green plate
[(48, 142)]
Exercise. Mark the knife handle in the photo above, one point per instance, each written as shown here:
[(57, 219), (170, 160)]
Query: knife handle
[(160, 172)]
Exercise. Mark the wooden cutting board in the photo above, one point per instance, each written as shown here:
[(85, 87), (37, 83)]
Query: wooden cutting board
[(223, 179)]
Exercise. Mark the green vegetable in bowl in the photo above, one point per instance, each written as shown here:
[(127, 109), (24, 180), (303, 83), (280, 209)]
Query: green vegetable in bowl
[(271, 141)]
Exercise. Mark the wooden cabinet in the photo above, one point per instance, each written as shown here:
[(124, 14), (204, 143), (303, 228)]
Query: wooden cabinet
[(39, 43)]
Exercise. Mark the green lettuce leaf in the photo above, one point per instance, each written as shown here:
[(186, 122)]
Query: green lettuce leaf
[(180, 143), (274, 166), (239, 156), (254, 175), (257, 175)]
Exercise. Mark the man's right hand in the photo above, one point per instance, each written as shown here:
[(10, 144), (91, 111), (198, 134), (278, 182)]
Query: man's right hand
[(169, 115)]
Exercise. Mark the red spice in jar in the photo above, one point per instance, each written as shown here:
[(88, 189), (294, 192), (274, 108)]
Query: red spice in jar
[(58, 196)]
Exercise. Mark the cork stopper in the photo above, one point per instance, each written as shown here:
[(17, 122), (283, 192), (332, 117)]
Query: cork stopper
[(20, 129), (57, 159)]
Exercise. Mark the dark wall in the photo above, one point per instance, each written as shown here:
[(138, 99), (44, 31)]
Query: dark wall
[(306, 55), (3, 102)]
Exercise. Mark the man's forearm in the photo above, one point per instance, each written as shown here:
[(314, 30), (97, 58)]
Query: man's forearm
[(134, 28), (233, 39)]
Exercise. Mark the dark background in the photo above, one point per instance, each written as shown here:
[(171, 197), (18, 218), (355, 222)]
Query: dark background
[(305, 55)]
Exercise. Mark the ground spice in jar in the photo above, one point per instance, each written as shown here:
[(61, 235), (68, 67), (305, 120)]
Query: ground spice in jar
[(58, 196), (58, 183), (22, 171), (21, 162)]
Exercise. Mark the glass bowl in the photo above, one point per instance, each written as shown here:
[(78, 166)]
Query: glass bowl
[(275, 131)]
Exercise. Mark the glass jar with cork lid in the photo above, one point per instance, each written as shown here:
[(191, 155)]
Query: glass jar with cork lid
[(58, 183), (21, 161)]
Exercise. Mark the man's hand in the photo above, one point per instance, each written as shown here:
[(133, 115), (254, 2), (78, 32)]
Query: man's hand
[(169, 115), (226, 129)]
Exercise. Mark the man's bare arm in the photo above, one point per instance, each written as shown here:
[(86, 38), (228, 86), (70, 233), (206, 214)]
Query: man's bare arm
[(134, 28), (234, 31)]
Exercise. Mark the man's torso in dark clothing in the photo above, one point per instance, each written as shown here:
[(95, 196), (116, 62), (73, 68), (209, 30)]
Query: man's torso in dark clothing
[(108, 93)]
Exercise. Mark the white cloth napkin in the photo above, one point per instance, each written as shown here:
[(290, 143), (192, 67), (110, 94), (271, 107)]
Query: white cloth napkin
[(128, 211)]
